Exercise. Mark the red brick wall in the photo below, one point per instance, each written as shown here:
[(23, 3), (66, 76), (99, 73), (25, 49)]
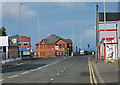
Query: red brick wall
[(47, 51), (25, 39)]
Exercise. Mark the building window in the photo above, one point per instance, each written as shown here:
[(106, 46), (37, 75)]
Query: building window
[(20, 44), (60, 53), (49, 46), (43, 46), (57, 53), (60, 46), (60, 40), (25, 43), (63, 45), (56, 44)]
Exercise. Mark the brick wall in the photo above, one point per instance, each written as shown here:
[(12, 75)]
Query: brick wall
[(47, 50)]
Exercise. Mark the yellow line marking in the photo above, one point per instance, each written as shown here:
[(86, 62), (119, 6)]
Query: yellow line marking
[(23, 63), (91, 81), (91, 73)]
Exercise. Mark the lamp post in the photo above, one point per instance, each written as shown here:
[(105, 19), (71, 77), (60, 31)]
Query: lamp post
[(20, 28), (105, 30)]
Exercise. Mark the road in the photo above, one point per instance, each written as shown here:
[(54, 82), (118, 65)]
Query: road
[(70, 69)]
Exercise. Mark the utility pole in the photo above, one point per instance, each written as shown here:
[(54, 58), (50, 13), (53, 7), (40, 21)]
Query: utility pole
[(73, 36), (80, 42), (20, 29), (96, 31), (105, 30), (38, 37)]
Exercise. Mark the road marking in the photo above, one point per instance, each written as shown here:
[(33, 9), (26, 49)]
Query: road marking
[(58, 74), (90, 76), (23, 63), (62, 71), (117, 69), (52, 79), (64, 68), (91, 73), (2, 80), (25, 72), (13, 76)]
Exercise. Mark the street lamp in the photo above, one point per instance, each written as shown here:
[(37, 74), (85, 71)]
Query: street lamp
[(20, 28)]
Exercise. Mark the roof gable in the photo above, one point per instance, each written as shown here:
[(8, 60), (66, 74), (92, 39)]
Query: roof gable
[(53, 39)]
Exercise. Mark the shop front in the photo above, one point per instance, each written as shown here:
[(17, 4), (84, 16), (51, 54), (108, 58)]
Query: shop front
[(108, 51)]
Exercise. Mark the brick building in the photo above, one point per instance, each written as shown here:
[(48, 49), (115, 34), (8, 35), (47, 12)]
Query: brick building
[(54, 46), (25, 46)]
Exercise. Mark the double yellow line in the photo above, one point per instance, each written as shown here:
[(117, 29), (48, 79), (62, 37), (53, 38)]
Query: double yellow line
[(92, 75)]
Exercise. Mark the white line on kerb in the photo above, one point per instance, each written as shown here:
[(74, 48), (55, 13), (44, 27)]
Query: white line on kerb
[(25, 72), (39, 68), (13, 76), (33, 70)]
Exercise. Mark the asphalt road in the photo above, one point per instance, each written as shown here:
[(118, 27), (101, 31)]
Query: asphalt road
[(49, 70)]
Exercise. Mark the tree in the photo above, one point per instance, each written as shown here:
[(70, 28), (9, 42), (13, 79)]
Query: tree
[(3, 32)]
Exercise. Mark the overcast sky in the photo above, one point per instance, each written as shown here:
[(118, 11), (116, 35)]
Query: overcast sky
[(54, 18)]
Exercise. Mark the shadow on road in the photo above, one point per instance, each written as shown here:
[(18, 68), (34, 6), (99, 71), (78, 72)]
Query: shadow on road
[(22, 68)]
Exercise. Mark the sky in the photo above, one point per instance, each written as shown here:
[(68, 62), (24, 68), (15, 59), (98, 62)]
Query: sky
[(54, 18)]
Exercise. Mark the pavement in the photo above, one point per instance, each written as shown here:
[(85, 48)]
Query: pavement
[(106, 72), (62, 69)]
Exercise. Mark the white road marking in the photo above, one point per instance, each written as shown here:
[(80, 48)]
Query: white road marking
[(58, 74), (117, 69), (62, 71), (52, 79), (25, 72), (2, 80), (64, 68), (13, 76)]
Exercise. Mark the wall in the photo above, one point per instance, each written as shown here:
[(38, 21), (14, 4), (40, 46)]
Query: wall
[(3, 40), (109, 25)]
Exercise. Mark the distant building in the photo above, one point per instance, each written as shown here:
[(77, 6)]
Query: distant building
[(54, 46), (82, 52), (112, 47), (25, 46), (9, 47)]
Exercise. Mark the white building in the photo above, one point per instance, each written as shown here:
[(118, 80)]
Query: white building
[(112, 41), (9, 47)]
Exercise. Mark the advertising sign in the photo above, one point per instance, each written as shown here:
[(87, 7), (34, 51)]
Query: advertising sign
[(111, 51), (13, 40)]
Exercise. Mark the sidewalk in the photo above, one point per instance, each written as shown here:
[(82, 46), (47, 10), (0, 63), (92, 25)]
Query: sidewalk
[(13, 63), (107, 72)]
